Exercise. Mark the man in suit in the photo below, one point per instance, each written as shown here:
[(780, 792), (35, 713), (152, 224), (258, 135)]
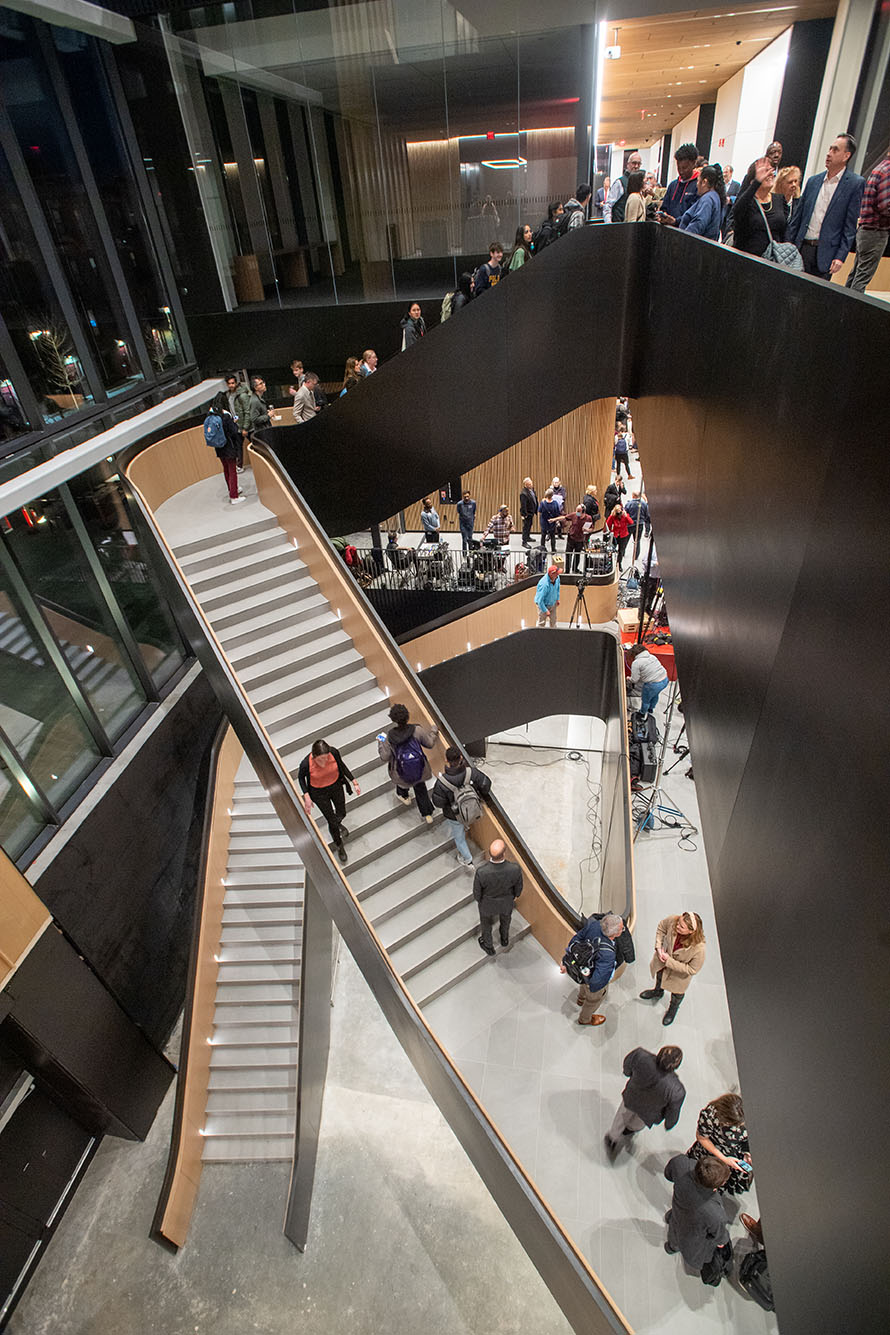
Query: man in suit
[(732, 187), (496, 885), (823, 226)]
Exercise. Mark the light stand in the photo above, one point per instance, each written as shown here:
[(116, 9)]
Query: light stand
[(658, 806)]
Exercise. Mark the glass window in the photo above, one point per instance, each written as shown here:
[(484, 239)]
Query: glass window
[(99, 129), (32, 314), (39, 127), (13, 421), (55, 568), (19, 822), (137, 588), (36, 712)]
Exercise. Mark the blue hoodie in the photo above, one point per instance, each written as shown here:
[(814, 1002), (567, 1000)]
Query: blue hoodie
[(547, 594)]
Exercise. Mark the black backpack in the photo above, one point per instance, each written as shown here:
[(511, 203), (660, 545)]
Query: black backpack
[(562, 222), (754, 1279), (581, 957)]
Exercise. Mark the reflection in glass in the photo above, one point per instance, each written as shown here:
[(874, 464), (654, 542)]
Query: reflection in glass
[(50, 557), (19, 823), (36, 712), (43, 140), (38, 331), (13, 421), (138, 590)]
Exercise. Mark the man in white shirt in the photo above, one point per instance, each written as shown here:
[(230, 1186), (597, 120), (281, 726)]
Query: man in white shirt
[(823, 226)]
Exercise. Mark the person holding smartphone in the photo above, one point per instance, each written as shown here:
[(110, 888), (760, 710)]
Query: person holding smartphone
[(722, 1134)]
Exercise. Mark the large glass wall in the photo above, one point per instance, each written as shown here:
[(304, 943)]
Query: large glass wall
[(349, 152), (88, 311), (87, 641)]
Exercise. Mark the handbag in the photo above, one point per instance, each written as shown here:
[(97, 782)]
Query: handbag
[(783, 253)]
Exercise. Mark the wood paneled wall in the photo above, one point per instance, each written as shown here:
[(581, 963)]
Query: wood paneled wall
[(577, 448), (172, 464), (174, 1222), (23, 918)]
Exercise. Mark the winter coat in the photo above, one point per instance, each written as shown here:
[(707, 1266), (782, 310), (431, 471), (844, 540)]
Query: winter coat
[(413, 331), (549, 512), (444, 798), (682, 965), (654, 1095), (240, 399), (611, 498), (387, 742), (495, 887), (256, 413), (528, 503), (620, 526), (697, 1225), (607, 958), (591, 505)]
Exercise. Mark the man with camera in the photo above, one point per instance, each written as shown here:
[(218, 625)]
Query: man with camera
[(600, 934)]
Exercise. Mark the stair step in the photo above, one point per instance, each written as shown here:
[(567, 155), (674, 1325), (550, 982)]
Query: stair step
[(249, 595), (278, 556), (254, 645), (400, 893), (286, 683), (262, 1149), (272, 992), (448, 970), (364, 816), (306, 702), (233, 1079), (224, 1102), (299, 596), (229, 540), (250, 1124), (345, 726), (256, 972), (257, 1013), (244, 952), (256, 1036), (252, 548), (253, 861), (439, 938), (255, 1058), (250, 933), (401, 927), (393, 866), (263, 821), (402, 828), (292, 876), (266, 922), (259, 841)]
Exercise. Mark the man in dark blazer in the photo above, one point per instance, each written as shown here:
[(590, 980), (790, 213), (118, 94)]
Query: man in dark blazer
[(697, 1219), (496, 885), (823, 226), (653, 1094)]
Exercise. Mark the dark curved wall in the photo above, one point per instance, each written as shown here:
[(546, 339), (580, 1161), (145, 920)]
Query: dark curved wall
[(759, 396)]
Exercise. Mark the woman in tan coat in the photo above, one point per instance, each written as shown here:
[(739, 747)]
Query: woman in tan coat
[(679, 953)]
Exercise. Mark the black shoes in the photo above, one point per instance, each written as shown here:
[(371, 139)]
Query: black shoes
[(652, 993), (344, 833), (504, 943), (668, 1017), (342, 854), (489, 950), (612, 1147)]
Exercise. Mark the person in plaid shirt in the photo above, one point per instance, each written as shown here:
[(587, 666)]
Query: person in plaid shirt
[(874, 226), (501, 525)]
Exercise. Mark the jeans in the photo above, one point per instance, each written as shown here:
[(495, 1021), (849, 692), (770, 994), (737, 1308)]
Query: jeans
[(618, 461), (871, 243), (466, 538), (459, 835), (549, 531), (231, 476), (424, 805), (651, 691), (573, 547)]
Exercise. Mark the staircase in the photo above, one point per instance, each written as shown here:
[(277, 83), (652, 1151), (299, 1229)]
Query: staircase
[(306, 680), (251, 1104)]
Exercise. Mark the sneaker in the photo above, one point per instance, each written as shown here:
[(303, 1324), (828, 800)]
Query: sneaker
[(464, 862), (428, 819), (239, 468), (237, 500), (405, 801)]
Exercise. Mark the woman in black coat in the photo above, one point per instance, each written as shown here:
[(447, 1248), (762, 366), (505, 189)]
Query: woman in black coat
[(413, 326), (325, 779), (758, 216)]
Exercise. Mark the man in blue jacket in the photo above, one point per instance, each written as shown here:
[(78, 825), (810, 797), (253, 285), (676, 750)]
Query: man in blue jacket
[(823, 226), (547, 597), (603, 932), (682, 192)]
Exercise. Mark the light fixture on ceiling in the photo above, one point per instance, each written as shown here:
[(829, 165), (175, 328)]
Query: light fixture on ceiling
[(505, 164)]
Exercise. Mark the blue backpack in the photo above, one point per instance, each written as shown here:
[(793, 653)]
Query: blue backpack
[(214, 431), (410, 760)]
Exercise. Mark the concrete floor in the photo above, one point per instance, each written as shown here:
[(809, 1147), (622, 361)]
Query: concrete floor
[(404, 1237)]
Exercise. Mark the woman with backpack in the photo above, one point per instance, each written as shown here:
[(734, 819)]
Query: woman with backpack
[(222, 434), (401, 747), (457, 791), (325, 779)]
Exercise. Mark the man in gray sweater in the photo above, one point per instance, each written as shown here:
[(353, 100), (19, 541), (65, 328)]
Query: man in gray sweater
[(653, 1094), (496, 885)]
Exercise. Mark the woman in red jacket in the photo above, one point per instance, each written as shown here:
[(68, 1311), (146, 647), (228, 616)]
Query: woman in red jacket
[(620, 525)]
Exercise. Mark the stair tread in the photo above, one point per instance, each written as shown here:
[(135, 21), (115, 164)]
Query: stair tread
[(449, 969), (231, 1079), (271, 1123), (228, 539), (450, 931), (429, 840), (293, 676), (349, 684), (262, 1149), (283, 1033), (224, 1102), (444, 899), (259, 1058)]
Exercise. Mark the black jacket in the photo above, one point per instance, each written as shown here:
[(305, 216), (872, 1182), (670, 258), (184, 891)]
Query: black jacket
[(495, 886), (233, 433), (414, 330), (344, 781), (654, 1095), (697, 1225), (591, 505), (443, 797), (528, 503)]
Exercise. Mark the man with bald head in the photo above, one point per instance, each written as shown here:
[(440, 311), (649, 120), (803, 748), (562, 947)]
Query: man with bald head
[(613, 208), (496, 885)]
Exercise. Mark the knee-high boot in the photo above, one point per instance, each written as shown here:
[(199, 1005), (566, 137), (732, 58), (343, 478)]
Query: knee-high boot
[(676, 998), (653, 993)]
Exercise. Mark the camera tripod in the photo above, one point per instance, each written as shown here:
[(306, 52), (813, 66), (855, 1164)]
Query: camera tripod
[(580, 605), (679, 749), (658, 812)]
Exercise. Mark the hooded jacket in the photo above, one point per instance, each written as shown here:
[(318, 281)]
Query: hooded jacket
[(654, 1095), (443, 797), (387, 743)]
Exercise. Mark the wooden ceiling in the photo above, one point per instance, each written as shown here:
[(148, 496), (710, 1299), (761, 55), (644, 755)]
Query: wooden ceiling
[(670, 64)]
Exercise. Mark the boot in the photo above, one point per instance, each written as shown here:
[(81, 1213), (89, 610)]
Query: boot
[(653, 993), (676, 998)]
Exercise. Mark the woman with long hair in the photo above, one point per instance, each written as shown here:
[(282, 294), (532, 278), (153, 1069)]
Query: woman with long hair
[(679, 954), (722, 1134), (634, 204), (350, 375), (413, 326), (522, 247)]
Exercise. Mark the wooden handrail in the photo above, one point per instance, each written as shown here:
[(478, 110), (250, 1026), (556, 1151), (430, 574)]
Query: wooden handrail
[(23, 918), (335, 582), (184, 1163)]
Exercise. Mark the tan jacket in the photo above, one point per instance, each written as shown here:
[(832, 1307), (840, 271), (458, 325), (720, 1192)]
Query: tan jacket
[(682, 964)]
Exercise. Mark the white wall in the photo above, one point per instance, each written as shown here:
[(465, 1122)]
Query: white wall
[(759, 102), (726, 119), (683, 133)]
